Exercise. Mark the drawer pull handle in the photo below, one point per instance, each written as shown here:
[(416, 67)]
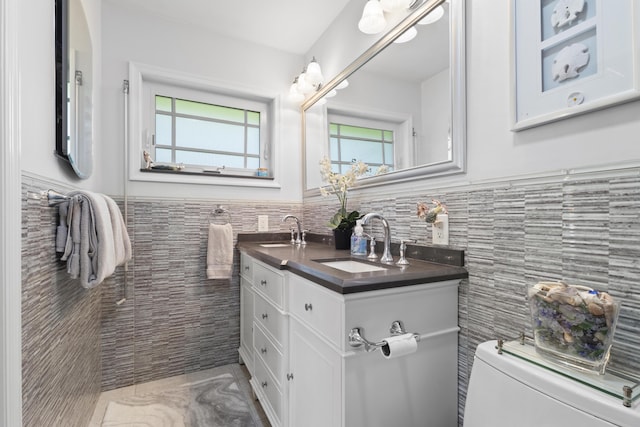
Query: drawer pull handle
[(308, 307), (263, 282), (263, 350), (246, 268), (264, 384), (265, 315), (289, 377)]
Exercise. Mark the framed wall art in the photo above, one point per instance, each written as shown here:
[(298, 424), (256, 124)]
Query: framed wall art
[(573, 56)]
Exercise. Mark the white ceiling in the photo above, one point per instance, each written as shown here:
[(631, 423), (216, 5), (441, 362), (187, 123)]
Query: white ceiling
[(289, 25)]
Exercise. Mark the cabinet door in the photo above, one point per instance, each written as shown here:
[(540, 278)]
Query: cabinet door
[(246, 324), (315, 393)]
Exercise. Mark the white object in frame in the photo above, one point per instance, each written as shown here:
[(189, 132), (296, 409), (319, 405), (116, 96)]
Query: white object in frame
[(614, 60), (569, 61), (565, 12)]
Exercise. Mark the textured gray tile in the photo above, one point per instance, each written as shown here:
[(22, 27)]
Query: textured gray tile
[(60, 329), (175, 321)]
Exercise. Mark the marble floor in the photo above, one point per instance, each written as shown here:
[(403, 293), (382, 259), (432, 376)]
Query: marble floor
[(216, 397)]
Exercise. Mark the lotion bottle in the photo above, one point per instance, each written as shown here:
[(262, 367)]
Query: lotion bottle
[(358, 241)]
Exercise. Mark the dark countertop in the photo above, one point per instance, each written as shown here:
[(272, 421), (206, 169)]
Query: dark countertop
[(303, 261)]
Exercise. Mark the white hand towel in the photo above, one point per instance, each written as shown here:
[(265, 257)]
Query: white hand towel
[(220, 251), (121, 241)]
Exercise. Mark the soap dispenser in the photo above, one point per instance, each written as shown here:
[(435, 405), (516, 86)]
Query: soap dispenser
[(358, 241)]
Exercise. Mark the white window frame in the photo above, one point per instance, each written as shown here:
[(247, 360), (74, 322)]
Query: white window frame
[(171, 91), (145, 80), (401, 124), (369, 123)]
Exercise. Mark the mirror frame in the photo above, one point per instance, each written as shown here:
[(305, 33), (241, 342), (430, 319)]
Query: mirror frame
[(457, 69), (74, 131), (62, 71)]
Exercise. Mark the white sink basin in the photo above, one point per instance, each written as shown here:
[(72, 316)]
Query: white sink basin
[(352, 266), (275, 245)]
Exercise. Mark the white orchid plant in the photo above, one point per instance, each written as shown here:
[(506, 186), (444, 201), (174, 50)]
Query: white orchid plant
[(339, 185)]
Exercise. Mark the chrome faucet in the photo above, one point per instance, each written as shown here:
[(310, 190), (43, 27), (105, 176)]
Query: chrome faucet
[(298, 239), (386, 255)]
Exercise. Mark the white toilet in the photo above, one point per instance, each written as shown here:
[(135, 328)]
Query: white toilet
[(505, 391)]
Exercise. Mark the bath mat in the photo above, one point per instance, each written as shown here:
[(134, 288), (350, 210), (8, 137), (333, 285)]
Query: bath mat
[(212, 402)]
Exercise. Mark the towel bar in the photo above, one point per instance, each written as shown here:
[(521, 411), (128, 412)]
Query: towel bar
[(219, 210), (54, 197)]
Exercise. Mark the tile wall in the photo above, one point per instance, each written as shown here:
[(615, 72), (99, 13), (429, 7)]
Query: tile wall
[(175, 321), (76, 342), (584, 231), (60, 328)]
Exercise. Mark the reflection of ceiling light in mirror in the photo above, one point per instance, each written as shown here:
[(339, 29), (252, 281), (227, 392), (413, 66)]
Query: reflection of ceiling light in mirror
[(331, 93), (407, 35), (393, 5), (433, 16), (372, 21), (343, 84)]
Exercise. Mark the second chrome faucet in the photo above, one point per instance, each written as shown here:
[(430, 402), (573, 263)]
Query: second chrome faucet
[(386, 254), (299, 240)]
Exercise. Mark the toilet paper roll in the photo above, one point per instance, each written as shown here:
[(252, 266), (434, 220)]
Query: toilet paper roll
[(399, 345)]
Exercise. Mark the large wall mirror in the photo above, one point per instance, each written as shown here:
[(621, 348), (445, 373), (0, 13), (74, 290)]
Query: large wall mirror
[(413, 91), (74, 81)]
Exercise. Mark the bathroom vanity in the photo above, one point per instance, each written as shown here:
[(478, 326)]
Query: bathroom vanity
[(297, 313)]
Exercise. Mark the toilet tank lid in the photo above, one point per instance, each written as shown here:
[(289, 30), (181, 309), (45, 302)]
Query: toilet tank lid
[(566, 390)]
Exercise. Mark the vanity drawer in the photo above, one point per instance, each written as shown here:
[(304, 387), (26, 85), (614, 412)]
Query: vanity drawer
[(266, 385), (269, 282), (268, 352), (246, 266), (319, 308), (270, 318)]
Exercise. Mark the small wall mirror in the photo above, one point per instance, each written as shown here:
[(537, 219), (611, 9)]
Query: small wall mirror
[(74, 81), (413, 92)]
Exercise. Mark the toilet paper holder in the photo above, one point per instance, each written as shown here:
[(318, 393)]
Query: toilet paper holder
[(356, 338)]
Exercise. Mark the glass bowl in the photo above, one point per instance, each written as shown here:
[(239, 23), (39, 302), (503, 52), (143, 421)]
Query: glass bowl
[(573, 325)]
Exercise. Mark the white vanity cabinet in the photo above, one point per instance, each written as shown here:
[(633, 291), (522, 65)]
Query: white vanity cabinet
[(246, 311), (270, 338), (307, 374), (337, 385)]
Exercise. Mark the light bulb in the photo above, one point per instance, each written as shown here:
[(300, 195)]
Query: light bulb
[(432, 16), (343, 84), (372, 21), (294, 92), (304, 86), (331, 93), (314, 74), (394, 5), (407, 35)]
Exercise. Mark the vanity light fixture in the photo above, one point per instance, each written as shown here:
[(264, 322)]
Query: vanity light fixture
[(373, 19), (310, 80)]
